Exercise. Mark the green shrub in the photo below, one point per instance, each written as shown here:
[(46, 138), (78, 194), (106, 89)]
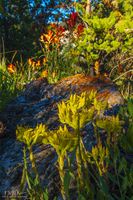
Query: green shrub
[(108, 32)]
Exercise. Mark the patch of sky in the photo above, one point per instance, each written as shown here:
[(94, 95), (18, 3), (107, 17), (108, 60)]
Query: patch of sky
[(57, 14)]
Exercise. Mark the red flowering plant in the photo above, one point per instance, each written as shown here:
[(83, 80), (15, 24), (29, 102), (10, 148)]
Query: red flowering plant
[(80, 29), (59, 31), (72, 19), (51, 46), (74, 24), (58, 42), (53, 36), (72, 35)]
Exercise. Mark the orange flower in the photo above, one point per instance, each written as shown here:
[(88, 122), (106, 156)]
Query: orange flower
[(53, 36), (48, 37), (38, 63), (30, 61), (44, 60), (44, 73), (55, 40), (33, 64), (42, 38), (11, 68), (53, 26)]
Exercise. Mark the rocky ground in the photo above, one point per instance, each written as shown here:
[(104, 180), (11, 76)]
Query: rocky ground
[(38, 104)]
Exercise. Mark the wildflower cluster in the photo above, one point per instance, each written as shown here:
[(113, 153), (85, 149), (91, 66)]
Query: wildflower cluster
[(75, 25), (57, 32), (53, 36), (36, 63), (72, 19), (92, 167)]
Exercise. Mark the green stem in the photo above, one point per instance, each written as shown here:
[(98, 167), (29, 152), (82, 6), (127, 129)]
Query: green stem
[(32, 159), (79, 157), (62, 175), (26, 168), (118, 179), (131, 70)]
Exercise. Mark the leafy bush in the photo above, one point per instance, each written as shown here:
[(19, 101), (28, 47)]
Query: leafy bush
[(108, 31)]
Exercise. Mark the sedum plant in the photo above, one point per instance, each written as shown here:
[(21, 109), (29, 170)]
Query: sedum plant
[(94, 177), (100, 155), (62, 141), (30, 136), (112, 126), (78, 110), (75, 112)]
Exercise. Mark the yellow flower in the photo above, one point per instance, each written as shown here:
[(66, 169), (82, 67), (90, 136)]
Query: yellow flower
[(53, 74), (105, 74), (97, 68), (42, 38)]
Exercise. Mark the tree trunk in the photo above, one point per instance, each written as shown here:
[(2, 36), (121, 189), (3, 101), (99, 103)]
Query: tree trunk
[(88, 7)]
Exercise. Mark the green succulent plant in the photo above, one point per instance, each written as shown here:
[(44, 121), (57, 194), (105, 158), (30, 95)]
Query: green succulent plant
[(94, 165), (31, 136), (78, 110)]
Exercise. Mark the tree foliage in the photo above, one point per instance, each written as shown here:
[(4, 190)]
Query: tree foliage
[(108, 32), (22, 22)]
